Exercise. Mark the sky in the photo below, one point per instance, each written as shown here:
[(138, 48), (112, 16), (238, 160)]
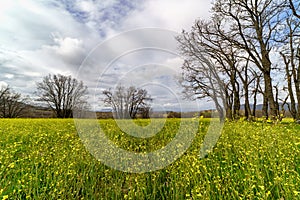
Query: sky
[(104, 43)]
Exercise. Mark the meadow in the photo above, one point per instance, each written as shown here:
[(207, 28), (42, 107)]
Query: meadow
[(45, 159)]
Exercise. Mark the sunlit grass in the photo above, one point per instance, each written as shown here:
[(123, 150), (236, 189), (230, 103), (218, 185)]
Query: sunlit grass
[(45, 159)]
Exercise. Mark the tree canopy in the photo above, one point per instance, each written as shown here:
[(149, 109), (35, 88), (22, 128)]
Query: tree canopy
[(61, 93), (12, 104), (236, 55), (128, 102)]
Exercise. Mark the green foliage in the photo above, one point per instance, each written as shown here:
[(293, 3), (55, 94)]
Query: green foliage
[(45, 159)]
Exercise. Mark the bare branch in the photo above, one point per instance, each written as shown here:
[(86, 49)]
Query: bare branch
[(61, 93), (128, 102)]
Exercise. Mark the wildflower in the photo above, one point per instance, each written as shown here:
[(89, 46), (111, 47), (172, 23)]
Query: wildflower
[(5, 197), (296, 192), (11, 165)]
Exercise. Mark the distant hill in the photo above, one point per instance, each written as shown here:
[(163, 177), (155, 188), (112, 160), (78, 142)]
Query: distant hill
[(35, 111), (260, 106), (32, 111)]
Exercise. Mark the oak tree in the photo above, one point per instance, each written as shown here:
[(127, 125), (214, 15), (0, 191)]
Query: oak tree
[(61, 93), (128, 102)]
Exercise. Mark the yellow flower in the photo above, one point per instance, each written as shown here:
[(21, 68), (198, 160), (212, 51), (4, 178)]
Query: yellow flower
[(5, 197), (11, 165), (296, 192)]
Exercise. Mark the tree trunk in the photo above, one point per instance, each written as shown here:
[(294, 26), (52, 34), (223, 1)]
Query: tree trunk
[(296, 75), (277, 102), (265, 107), (254, 103), (247, 104), (292, 108), (270, 96), (297, 85), (236, 104)]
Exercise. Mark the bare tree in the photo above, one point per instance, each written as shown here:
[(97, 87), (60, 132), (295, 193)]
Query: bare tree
[(247, 76), (61, 93), (253, 26), (206, 43), (238, 42), (12, 104), (289, 75), (256, 90), (290, 52), (200, 78), (128, 102)]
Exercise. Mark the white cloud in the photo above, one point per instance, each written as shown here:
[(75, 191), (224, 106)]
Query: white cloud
[(69, 50), (3, 84), (66, 46), (9, 76), (170, 14), (41, 37), (86, 6), (37, 39)]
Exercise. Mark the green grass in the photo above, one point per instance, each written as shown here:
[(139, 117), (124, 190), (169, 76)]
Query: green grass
[(45, 159)]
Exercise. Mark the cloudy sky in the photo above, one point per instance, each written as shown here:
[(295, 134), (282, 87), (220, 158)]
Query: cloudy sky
[(102, 42)]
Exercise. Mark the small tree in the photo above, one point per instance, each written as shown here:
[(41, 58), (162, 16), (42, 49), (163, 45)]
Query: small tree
[(61, 93), (128, 102), (11, 103)]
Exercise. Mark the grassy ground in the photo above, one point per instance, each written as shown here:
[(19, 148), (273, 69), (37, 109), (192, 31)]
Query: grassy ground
[(45, 159)]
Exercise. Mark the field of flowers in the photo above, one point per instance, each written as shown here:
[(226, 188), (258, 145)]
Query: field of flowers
[(45, 159)]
